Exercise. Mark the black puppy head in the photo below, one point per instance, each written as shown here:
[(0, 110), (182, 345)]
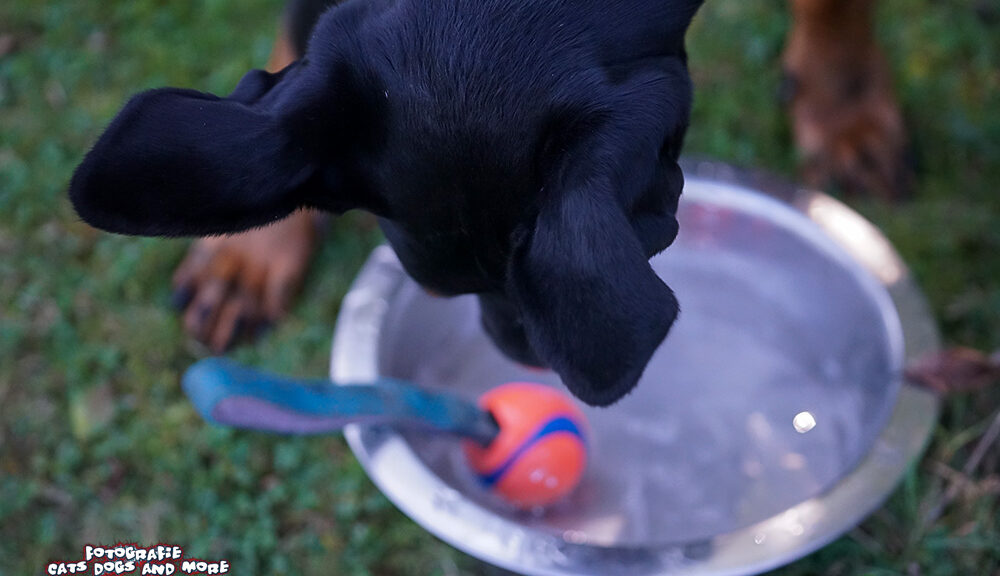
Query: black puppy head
[(523, 151)]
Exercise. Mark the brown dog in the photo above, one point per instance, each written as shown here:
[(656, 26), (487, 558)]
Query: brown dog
[(846, 124)]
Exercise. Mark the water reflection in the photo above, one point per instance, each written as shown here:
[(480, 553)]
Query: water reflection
[(804, 422)]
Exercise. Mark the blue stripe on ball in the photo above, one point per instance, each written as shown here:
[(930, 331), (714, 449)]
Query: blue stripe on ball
[(558, 424)]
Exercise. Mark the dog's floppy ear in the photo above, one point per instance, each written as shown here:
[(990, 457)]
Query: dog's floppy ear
[(592, 307), (180, 162)]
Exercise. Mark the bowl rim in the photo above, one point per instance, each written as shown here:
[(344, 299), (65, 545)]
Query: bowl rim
[(397, 471)]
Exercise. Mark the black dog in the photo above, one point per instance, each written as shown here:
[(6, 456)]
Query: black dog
[(524, 151)]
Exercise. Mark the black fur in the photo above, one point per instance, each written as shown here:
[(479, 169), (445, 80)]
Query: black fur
[(523, 150), (300, 18)]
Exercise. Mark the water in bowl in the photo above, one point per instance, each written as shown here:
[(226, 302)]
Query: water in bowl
[(770, 387)]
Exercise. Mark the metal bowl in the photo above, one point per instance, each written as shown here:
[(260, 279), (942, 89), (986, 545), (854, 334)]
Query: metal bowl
[(773, 418)]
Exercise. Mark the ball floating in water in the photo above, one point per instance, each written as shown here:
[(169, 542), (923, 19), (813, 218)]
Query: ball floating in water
[(540, 453)]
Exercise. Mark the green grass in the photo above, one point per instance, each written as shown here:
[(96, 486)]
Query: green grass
[(97, 443)]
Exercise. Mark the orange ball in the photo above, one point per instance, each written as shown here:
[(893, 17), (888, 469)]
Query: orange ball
[(541, 449)]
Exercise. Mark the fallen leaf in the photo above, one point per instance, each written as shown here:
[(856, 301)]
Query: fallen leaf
[(955, 370)]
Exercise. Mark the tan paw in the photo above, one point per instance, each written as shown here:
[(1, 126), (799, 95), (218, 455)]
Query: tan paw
[(845, 119), (230, 287)]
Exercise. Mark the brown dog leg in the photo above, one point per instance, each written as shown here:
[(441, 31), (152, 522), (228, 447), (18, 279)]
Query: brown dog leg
[(230, 286), (845, 119)]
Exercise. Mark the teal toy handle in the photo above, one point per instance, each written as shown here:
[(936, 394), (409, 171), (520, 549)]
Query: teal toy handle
[(227, 393)]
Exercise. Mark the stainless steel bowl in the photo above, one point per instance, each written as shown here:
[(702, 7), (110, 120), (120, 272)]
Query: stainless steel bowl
[(773, 418)]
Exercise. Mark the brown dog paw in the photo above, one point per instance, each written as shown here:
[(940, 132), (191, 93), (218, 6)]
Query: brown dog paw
[(229, 287), (845, 119)]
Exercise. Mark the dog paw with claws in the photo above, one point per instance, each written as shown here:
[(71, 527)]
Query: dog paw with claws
[(231, 287)]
